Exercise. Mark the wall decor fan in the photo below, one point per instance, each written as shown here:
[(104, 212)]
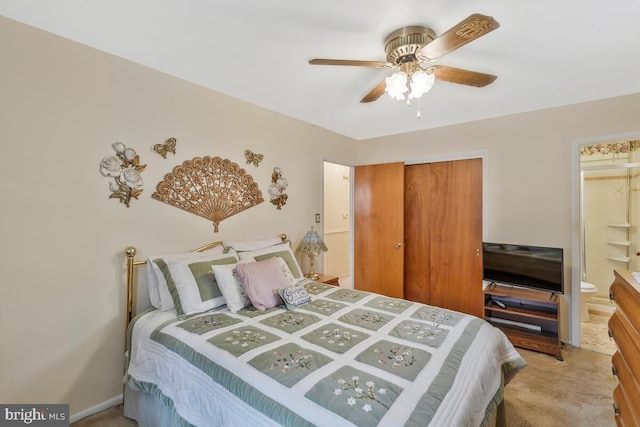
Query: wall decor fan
[(210, 187), (412, 48)]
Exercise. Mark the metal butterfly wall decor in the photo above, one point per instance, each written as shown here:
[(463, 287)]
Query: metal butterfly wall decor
[(168, 147), (253, 158)]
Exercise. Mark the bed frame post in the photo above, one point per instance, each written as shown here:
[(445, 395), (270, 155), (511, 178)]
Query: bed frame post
[(130, 253)]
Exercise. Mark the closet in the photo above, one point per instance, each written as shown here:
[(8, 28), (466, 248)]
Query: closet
[(418, 232)]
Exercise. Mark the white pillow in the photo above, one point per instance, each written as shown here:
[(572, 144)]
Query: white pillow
[(158, 289), (282, 250), (252, 245), (231, 286), (158, 292), (153, 283)]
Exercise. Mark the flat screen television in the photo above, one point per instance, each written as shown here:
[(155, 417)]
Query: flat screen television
[(534, 267)]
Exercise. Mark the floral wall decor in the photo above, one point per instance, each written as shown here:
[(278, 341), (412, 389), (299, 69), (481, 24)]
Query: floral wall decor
[(613, 149), (253, 158), (125, 169), (210, 187), (169, 146), (277, 187)]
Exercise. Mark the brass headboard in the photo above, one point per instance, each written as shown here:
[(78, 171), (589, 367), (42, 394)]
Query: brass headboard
[(130, 252)]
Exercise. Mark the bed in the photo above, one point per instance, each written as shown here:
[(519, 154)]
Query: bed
[(249, 341)]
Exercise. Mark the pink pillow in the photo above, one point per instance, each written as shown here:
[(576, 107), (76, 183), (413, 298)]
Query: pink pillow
[(261, 281)]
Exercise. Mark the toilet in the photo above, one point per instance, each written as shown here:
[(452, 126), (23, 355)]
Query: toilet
[(586, 289)]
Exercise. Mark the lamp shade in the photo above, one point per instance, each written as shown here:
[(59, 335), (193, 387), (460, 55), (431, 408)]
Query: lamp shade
[(396, 85), (312, 243), (417, 83), (421, 83)]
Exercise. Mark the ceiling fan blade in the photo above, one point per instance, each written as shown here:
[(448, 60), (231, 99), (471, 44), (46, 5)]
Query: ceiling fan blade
[(375, 93), (475, 26), (348, 62), (460, 76)]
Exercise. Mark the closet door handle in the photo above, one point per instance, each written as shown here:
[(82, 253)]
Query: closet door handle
[(398, 245)]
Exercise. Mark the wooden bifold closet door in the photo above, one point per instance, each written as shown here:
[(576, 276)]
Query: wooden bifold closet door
[(441, 219), (378, 249)]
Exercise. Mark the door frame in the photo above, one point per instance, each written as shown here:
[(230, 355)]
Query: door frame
[(574, 300), (351, 166)]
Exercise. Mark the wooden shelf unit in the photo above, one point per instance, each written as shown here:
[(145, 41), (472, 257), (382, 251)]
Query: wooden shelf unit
[(531, 318)]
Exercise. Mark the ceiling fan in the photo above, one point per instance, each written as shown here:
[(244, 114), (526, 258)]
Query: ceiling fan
[(412, 48)]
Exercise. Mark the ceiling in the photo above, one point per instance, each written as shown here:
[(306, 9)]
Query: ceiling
[(546, 53)]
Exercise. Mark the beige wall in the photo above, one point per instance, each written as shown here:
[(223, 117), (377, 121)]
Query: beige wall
[(528, 193), (62, 105)]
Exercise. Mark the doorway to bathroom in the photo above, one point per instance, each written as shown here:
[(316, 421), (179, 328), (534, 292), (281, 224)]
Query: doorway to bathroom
[(337, 221), (610, 212)]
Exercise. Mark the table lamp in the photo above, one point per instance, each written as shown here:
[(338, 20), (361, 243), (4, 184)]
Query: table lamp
[(313, 245)]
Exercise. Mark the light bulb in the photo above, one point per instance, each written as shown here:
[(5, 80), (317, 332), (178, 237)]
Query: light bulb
[(421, 83), (396, 85)]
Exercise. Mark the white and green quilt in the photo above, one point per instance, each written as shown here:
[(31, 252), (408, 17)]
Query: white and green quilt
[(346, 358)]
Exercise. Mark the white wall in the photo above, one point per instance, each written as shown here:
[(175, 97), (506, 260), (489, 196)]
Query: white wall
[(337, 232), (604, 206), (610, 187), (63, 105), (337, 184)]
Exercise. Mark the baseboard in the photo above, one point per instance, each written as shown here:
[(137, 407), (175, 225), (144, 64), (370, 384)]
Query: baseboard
[(114, 401)]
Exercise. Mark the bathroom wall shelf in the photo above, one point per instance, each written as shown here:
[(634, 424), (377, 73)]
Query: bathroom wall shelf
[(619, 224), (530, 318), (619, 242), (621, 253), (619, 258)]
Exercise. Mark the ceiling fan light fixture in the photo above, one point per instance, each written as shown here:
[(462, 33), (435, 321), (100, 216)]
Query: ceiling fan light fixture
[(417, 83), (410, 48), (396, 85), (421, 83)]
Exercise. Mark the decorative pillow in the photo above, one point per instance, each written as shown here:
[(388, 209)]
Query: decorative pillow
[(231, 286), (294, 296), (158, 291), (192, 284), (251, 245), (261, 281), (282, 250), (285, 270)]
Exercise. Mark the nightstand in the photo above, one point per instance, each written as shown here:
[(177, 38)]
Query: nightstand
[(329, 280)]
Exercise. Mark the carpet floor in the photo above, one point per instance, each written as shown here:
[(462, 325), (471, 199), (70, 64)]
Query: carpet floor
[(575, 392)]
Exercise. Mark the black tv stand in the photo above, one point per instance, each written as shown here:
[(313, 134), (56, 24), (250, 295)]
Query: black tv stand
[(530, 318)]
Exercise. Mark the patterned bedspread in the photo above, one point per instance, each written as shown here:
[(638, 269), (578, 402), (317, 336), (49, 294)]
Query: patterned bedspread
[(347, 358)]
